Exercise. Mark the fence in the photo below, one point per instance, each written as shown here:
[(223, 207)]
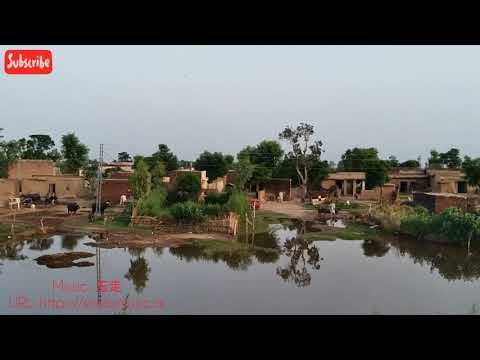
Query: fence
[(225, 225)]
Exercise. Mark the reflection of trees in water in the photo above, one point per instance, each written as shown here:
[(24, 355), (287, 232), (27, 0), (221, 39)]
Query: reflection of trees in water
[(11, 250), (301, 253), (234, 258), (70, 241), (158, 251), (450, 261), (138, 273), (40, 243), (375, 248), (136, 251)]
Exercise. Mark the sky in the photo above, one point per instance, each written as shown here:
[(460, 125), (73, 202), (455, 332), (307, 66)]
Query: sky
[(403, 100)]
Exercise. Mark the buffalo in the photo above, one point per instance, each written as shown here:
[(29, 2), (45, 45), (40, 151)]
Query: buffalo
[(72, 208), (103, 206)]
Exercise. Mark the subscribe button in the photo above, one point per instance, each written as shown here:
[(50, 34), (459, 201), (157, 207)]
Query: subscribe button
[(28, 62)]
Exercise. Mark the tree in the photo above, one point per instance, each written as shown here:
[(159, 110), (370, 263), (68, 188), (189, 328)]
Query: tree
[(435, 162), (124, 157), (91, 170), (304, 152), (366, 160), (393, 161), (229, 159), (265, 157), (141, 180), (158, 172), (188, 187), (410, 164), (214, 163), (244, 171), (37, 147), (75, 154), (138, 273), (471, 167), (167, 157), (451, 159)]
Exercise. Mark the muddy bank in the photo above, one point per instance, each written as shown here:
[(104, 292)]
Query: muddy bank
[(65, 260), (134, 240)]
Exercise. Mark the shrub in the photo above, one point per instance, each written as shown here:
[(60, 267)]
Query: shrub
[(238, 203), (417, 224), (456, 225), (188, 187), (154, 203), (217, 198), (187, 212), (214, 209)]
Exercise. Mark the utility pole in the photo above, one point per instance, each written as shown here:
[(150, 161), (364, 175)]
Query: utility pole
[(98, 202)]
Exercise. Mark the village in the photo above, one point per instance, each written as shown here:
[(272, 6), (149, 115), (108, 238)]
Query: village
[(159, 201)]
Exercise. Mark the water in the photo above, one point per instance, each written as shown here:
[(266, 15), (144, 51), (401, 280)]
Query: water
[(323, 277)]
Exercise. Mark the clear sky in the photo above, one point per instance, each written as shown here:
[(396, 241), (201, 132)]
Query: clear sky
[(404, 100)]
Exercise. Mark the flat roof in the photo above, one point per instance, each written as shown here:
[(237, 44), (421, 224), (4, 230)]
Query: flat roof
[(347, 175), (444, 194)]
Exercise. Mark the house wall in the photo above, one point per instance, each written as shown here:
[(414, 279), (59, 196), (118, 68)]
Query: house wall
[(8, 188), (438, 203), (24, 169), (65, 186), (275, 186), (112, 189), (388, 193)]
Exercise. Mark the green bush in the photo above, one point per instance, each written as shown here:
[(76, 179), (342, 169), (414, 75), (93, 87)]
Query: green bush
[(125, 217), (456, 225), (187, 212), (188, 187), (217, 198), (154, 203), (214, 209), (417, 224), (238, 203)]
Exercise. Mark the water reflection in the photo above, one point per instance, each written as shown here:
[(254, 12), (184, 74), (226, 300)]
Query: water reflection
[(40, 243), (138, 273), (12, 250), (300, 253), (375, 248), (70, 241), (451, 262)]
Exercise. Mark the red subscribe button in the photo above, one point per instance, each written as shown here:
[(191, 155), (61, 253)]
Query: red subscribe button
[(28, 62)]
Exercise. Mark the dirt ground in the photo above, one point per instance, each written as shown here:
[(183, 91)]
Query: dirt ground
[(293, 209)]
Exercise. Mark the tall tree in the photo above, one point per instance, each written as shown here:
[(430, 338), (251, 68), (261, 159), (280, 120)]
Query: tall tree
[(141, 180), (393, 161), (366, 160), (265, 157), (471, 167), (451, 159), (167, 157), (435, 161), (75, 154), (158, 172), (214, 163), (124, 157), (303, 150), (244, 172), (229, 159), (37, 147)]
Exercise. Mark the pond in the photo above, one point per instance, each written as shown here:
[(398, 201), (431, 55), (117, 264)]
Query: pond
[(282, 274)]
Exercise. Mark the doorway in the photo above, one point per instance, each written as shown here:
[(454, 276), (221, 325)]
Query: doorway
[(51, 189), (403, 187), (462, 187)]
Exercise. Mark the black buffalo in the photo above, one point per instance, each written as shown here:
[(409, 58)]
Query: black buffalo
[(72, 208), (103, 206)]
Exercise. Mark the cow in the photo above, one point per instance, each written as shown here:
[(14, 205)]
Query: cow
[(103, 206), (72, 208)]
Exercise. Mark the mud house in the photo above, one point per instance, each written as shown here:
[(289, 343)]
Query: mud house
[(123, 166), (348, 183), (439, 202), (40, 177)]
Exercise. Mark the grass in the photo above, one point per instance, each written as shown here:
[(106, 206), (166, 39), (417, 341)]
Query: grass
[(216, 247)]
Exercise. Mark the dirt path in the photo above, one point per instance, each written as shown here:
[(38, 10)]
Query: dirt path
[(293, 209)]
